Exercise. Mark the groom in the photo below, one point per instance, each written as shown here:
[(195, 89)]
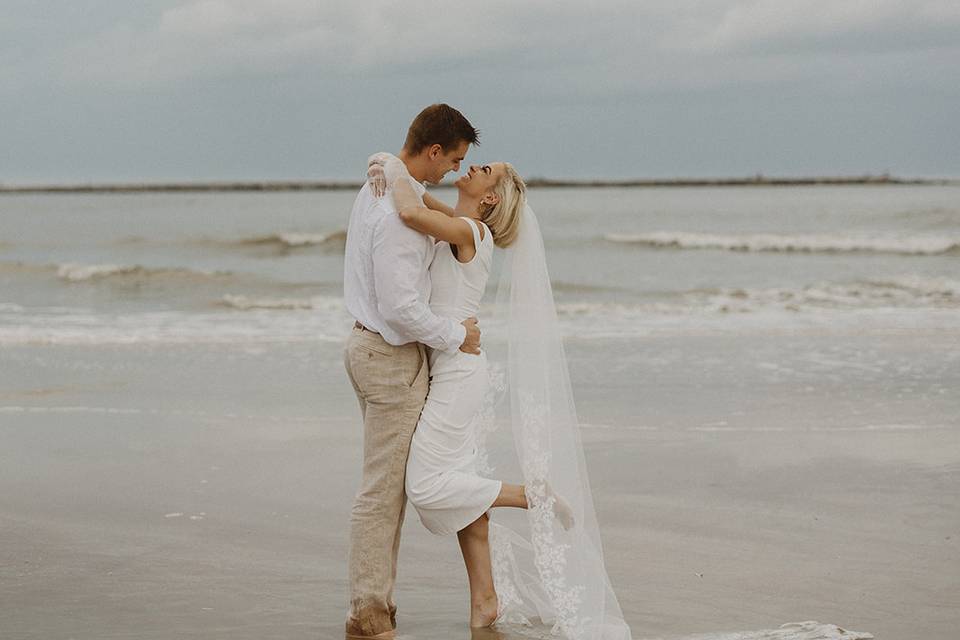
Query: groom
[(386, 287)]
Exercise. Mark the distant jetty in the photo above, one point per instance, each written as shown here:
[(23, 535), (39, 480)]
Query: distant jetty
[(334, 185), (756, 180)]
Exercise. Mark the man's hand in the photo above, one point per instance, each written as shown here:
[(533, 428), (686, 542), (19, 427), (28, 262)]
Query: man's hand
[(471, 343)]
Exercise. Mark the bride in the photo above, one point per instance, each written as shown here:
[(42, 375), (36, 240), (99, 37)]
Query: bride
[(555, 571)]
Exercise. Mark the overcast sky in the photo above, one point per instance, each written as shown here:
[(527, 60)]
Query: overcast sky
[(102, 90)]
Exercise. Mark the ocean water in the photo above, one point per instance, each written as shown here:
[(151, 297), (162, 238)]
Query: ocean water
[(766, 379), (254, 267)]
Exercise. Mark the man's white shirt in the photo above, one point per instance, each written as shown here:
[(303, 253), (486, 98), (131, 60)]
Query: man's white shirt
[(386, 277)]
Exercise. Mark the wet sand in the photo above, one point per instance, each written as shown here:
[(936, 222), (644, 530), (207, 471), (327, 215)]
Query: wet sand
[(203, 492)]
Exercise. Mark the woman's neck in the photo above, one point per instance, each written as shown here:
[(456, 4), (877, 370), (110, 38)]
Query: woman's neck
[(467, 206)]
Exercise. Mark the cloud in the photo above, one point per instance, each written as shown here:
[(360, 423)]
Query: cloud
[(683, 42), (244, 37), (776, 25), (200, 39)]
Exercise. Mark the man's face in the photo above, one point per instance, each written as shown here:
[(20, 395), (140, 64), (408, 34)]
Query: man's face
[(442, 162)]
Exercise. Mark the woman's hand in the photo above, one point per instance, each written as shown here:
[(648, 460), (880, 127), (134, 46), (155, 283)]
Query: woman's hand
[(376, 176)]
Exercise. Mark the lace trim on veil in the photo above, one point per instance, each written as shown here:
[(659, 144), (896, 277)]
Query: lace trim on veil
[(546, 574)]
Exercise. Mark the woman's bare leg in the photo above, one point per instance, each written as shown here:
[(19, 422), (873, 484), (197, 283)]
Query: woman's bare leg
[(511, 495), (515, 495), (475, 546)]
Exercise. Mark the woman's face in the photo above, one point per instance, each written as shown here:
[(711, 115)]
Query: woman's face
[(481, 180)]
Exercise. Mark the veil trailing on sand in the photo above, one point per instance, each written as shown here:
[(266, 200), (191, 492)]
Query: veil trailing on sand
[(542, 569)]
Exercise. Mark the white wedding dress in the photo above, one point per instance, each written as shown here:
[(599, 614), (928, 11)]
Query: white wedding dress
[(515, 419), (442, 481)]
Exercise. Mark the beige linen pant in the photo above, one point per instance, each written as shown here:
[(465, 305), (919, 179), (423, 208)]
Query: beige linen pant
[(391, 384)]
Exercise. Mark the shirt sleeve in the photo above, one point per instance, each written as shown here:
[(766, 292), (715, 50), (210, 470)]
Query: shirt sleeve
[(399, 258), (419, 187)]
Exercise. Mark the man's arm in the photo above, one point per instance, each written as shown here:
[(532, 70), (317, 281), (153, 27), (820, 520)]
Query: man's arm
[(398, 260)]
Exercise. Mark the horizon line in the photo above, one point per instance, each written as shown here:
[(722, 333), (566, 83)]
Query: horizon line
[(758, 179)]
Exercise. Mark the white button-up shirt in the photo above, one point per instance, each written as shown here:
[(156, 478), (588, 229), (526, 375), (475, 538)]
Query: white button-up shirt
[(386, 277)]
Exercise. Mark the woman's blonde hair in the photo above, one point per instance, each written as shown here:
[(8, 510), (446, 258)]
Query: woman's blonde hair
[(503, 218)]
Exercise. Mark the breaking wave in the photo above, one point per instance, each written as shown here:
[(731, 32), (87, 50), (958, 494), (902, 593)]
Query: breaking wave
[(74, 272), (905, 293), (799, 243), (896, 292), (324, 319), (245, 303), (294, 240)]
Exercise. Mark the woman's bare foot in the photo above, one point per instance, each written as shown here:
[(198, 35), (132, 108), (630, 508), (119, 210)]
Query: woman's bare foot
[(483, 613), (561, 509), (515, 495)]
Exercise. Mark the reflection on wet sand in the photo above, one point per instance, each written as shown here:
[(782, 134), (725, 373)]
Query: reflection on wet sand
[(808, 630), (512, 632)]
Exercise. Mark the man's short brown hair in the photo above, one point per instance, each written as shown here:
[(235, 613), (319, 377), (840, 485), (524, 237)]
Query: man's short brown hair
[(439, 124)]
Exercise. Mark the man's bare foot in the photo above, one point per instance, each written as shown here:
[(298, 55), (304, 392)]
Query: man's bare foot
[(483, 613), (386, 635)]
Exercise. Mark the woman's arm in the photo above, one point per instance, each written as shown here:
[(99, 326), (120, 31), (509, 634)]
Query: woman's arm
[(417, 215), (453, 229), (377, 178)]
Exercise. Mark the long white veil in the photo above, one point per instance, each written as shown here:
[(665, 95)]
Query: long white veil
[(541, 569)]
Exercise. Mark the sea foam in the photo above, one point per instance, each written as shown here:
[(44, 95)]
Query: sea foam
[(807, 630), (293, 240), (799, 243), (245, 303), (80, 272), (74, 272)]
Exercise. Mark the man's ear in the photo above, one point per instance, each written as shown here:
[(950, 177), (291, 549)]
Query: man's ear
[(435, 151)]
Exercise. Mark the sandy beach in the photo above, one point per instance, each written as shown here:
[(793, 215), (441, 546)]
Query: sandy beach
[(183, 492)]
